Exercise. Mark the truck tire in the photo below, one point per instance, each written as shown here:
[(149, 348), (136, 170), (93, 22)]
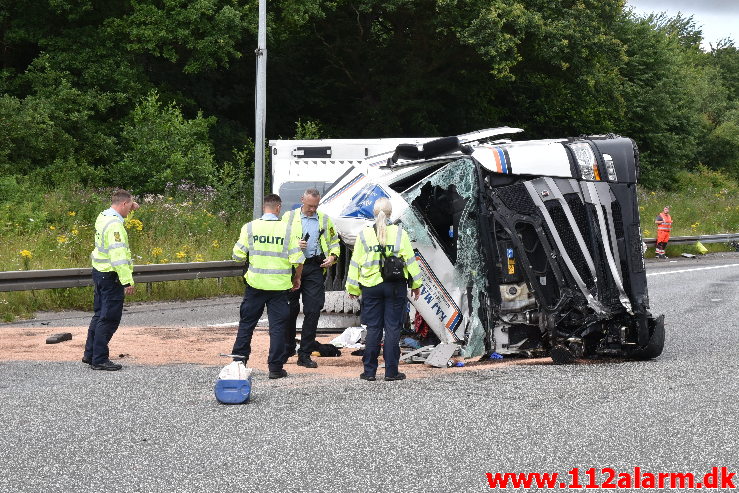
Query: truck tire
[(656, 343)]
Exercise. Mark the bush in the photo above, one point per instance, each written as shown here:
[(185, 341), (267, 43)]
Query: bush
[(722, 146), (702, 180), (161, 147), (235, 186)]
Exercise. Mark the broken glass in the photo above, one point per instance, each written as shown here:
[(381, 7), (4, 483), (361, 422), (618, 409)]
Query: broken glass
[(449, 197)]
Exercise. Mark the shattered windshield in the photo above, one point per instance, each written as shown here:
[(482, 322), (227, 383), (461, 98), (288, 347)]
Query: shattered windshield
[(444, 211)]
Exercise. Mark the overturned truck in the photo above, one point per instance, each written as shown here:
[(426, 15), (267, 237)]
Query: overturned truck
[(529, 248)]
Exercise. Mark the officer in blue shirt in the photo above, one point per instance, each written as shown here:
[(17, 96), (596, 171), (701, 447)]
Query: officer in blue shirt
[(320, 243)]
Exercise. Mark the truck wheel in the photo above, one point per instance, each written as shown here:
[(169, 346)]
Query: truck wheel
[(656, 343)]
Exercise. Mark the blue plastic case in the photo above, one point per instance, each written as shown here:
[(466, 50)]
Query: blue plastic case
[(233, 391)]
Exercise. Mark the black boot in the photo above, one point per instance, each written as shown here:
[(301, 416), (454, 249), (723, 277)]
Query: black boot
[(306, 361)]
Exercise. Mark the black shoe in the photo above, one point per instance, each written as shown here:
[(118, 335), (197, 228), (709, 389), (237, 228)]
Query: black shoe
[(399, 376), (306, 362), (108, 366), (369, 378), (277, 374), (86, 361)]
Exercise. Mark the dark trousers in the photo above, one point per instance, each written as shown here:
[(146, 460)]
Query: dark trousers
[(108, 307), (314, 295), (383, 307), (252, 307)]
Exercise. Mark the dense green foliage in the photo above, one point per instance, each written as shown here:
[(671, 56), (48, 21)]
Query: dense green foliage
[(148, 92)]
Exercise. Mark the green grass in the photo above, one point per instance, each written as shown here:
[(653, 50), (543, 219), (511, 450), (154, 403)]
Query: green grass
[(57, 228), (702, 203), (59, 232)]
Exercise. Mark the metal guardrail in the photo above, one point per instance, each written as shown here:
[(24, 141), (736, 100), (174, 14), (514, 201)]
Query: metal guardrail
[(75, 278), (686, 240), (28, 280)]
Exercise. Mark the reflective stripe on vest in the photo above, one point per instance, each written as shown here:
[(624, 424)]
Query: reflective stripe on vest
[(257, 270), (107, 261), (364, 241), (324, 236), (665, 225), (101, 246)]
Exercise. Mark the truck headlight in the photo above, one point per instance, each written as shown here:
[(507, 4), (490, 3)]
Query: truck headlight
[(610, 168), (585, 160)]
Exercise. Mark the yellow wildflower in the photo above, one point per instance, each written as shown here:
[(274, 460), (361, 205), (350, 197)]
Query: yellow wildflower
[(52, 228), (26, 254), (75, 231), (156, 251), (646, 232), (61, 239), (215, 244), (164, 260), (181, 254), (199, 258), (133, 223), (72, 213)]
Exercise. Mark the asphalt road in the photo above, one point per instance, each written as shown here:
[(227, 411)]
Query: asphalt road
[(150, 429)]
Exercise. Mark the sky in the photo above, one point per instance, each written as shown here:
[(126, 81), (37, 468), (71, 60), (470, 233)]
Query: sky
[(717, 19)]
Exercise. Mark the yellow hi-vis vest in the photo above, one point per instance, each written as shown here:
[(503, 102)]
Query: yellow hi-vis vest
[(111, 248), (272, 253), (364, 267), (329, 240)]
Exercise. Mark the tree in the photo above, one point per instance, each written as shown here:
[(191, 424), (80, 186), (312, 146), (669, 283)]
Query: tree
[(160, 146), (666, 91)]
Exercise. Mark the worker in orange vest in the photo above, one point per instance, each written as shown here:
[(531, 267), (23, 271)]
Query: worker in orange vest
[(664, 225)]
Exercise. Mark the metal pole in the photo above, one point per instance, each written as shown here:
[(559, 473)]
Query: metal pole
[(260, 112)]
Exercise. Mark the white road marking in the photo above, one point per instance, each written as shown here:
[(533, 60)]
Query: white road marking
[(691, 270)]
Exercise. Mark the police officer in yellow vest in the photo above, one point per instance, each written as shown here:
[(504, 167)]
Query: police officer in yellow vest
[(112, 275), (321, 249), (383, 302), (272, 252)]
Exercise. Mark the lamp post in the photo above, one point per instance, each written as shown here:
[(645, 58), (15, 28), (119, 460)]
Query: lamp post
[(260, 110)]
